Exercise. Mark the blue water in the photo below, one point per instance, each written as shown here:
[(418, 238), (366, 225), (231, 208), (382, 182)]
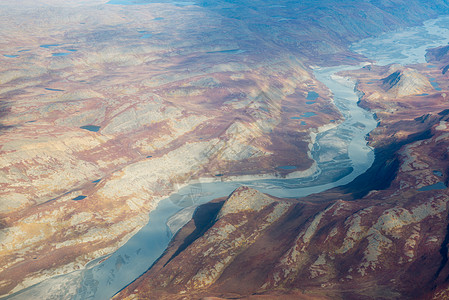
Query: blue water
[(146, 36), (310, 102), (312, 96), (60, 54), (142, 2), (49, 45), (79, 198), (10, 56), (93, 128), (436, 186), (308, 114), (54, 90), (304, 115), (155, 236), (303, 123), (435, 84), (438, 173), (96, 181)]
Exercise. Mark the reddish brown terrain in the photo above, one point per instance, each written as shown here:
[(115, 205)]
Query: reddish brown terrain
[(384, 236), (157, 118), (106, 109)]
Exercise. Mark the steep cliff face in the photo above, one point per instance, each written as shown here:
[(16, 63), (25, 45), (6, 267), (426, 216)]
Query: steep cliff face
[(383, 236), (405, 82)]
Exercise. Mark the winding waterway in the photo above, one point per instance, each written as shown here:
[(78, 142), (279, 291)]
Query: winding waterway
[(350, 154), (138, 254)]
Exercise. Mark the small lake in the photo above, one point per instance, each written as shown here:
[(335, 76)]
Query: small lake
[(92, 128), (438, 173), (304, 115), (435, 84), (60, 54), (312, 96), (54, 90), (436, 186), (49, 45)]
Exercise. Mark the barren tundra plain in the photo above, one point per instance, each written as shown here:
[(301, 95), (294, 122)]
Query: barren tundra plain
[(106, 109)]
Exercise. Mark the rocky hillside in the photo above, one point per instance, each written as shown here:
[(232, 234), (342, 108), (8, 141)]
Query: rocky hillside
[(383, 236), (405, 82), (439, 56)]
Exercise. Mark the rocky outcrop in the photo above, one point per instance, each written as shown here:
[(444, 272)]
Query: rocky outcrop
[(405, 82)]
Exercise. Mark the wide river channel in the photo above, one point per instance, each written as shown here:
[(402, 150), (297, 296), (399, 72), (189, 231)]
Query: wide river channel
[(101, 280)]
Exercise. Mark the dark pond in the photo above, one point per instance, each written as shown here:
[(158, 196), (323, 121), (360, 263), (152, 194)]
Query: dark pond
[(436, 186)]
